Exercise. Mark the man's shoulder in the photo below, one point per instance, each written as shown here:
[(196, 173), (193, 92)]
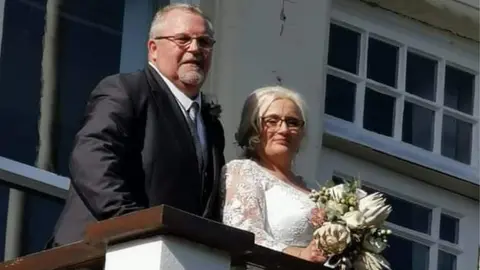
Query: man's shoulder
[(133, 85), (126, 80)]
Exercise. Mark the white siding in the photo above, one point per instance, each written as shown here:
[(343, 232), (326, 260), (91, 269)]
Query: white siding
[(251, 53), (472, 3)]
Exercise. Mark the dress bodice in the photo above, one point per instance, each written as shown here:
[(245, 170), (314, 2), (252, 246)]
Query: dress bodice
[(275, 211)]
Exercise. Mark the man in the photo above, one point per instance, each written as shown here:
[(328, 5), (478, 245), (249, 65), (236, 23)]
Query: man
[(149, 137)]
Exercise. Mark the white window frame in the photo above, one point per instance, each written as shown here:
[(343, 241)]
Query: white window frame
[(420, 193), (416, 37)]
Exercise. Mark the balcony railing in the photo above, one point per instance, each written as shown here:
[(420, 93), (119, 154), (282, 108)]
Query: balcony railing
[(159, 238)]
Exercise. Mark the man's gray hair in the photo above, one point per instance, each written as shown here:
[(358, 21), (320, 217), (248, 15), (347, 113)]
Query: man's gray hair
[(159, 17), (255, 107)]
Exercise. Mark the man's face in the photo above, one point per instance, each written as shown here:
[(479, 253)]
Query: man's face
[(181, 50)]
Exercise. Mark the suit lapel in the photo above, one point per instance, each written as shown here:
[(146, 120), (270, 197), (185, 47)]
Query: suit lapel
[(213, 160), (170, 110)]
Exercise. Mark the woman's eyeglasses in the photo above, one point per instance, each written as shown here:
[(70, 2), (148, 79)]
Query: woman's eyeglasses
[(275, 121)]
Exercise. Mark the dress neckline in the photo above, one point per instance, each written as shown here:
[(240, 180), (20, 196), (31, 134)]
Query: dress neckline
[(272, 176)]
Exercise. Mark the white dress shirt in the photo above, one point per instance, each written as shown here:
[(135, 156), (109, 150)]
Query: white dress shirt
[(185, 102)]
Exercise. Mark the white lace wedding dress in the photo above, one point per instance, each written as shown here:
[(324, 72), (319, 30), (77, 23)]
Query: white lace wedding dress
[(276, 212)]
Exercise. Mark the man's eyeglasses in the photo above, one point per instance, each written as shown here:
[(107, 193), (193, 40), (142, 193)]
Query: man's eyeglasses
[(275, 121), (182, 40)]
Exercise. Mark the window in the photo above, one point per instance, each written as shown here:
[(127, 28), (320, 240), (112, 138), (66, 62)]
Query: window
[(413, 235), (4, 194), (412, 225), (400, 92), (40, 216), (20, 71), (395, 87), (90, 41)]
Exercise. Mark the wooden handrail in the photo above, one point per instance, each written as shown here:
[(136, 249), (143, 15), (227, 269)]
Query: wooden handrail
[(168, 220), (73, 256), (161, 220)]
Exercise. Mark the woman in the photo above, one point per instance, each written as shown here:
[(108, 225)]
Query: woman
[(261, 193)]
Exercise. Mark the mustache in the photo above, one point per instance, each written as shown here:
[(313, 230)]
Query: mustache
[(193, 60)]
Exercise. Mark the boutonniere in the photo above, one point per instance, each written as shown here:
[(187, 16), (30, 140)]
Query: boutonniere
[(213, 108)]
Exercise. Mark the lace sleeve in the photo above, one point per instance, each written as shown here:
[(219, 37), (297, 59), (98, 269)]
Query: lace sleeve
[(244, 205)]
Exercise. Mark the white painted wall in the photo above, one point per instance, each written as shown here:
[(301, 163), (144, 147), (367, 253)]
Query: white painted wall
[(468, 8), (250, 53), (475, 4)]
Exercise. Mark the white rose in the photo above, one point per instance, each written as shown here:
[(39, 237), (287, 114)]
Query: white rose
[(374, 209), (369, 261), (354, 219), (332, 238)]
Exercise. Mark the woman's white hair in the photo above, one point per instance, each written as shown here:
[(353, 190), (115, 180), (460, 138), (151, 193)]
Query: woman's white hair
[(255, 107), (159, 18)]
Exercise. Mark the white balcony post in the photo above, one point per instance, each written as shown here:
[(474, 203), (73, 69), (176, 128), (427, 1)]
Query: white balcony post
[(164, 252)]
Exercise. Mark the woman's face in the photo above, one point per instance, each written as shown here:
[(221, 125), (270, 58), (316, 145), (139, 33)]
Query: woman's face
[(282, 130)]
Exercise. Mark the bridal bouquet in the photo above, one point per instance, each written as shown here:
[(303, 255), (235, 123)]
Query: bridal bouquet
[(351, 232)]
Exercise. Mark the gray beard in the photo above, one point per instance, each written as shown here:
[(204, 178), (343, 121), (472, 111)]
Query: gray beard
[(192, 77)]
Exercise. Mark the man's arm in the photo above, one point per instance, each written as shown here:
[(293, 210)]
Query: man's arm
[(98, 158)]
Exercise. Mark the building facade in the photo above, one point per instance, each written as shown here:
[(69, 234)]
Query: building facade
[(392, 88)]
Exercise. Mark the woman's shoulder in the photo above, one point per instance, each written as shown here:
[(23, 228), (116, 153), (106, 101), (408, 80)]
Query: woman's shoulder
[(238, 165)]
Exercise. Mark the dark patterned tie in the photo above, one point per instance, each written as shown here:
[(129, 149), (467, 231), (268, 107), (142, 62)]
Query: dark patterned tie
[(193, 113)]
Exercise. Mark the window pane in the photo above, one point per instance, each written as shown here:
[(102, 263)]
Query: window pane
[(449, 228), (340, 98), (20, 81), (343, 48), (410, 215), (421, 77), (403, 254), (418, 126), (459, 87), (446, 261), (407, 214), (456, 139), (341, 178), (4, 194), (89, 50), (379, 112), (382, 62), (41, 214)]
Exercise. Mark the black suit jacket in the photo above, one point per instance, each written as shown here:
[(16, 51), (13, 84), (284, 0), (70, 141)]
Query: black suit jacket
[(135, 151)]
